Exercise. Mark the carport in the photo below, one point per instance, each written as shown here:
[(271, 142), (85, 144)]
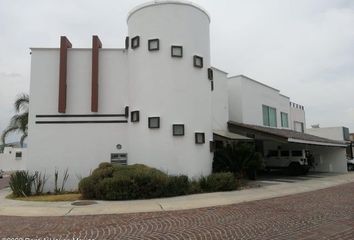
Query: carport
[(329, 155)]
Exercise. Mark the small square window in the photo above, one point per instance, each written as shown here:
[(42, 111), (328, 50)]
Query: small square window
[(154, 44), (177, 51), (154, 122), (127, 43), (199, 138), (198, 61), (18, 155), (134, 117), (135, 42), (212, 85), (210, 74), (178, 129)]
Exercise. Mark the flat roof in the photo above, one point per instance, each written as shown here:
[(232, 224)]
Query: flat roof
[(287, 135), (160, 2), (248, 78)]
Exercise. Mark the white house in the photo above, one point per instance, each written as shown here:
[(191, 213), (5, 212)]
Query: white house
[(158, 101), (13, 159)]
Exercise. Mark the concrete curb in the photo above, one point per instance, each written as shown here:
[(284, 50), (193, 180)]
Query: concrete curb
[(268, 190)]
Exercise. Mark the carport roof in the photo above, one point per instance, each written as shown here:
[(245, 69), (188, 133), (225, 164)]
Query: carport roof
[(283, 134)]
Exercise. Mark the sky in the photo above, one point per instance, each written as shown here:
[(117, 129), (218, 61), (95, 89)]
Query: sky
[(305, 48)]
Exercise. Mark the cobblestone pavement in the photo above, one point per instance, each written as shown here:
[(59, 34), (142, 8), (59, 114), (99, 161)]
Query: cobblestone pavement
[(4, 182), (322, 214)]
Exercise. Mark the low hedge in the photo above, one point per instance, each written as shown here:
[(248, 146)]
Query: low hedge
[(138, 181)]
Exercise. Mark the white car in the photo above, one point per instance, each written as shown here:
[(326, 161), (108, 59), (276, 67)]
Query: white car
[(296, 161), (350, 165)]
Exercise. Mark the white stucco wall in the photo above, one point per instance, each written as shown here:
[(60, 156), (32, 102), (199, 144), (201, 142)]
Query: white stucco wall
[(9, 162), (296, 115), (220, 101), (329, 159), (170, 88), (335, 133), (246, 97), (78, 147)]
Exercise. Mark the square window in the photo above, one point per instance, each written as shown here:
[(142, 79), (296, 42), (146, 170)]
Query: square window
[(154, 122), (18, 155), (198, 61), (178, 129), (210, 74), (135, 42), (134, 116), (126, 42), (154, 44), (177, 51), (199, 138)]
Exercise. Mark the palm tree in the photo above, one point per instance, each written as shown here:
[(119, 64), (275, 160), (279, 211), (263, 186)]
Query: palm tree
[(19, 122)]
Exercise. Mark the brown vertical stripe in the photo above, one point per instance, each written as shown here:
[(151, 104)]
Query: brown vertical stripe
[(96, 45), (64, 45)]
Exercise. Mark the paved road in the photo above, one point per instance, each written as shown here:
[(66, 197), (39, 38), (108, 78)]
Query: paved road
[(322, 214)]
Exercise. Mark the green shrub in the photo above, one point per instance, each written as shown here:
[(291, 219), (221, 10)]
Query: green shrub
[(105, 164), (218, 182), (240, 159), (21, 183), (141, 182), (178, 185), (87, 188)]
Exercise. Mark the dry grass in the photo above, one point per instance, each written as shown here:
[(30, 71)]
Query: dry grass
[(49, 197)]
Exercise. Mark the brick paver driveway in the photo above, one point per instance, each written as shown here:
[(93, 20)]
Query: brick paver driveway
[(323, 214)]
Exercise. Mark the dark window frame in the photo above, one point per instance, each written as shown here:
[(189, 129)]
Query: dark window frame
[(127, 40), (212, 85), (158, 122), (18, 154), (178, 134), (151, 41), (196, 137), (210, 74), (132, 115), (136, 38), (195, 61), (174, 55)]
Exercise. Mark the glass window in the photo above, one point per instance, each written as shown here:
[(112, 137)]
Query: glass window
[(210, 74), (135, 42), (296, 153), (298, 126), (284, 120), (272, 153), (178, 129), (154, 122), (269, 116), (177, 51), (18, 155), (134, 116), (284, 153), (154, 44), (198, 61), (199, 138)]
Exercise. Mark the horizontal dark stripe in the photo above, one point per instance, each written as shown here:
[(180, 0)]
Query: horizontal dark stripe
[(77, 122), (80, 115)]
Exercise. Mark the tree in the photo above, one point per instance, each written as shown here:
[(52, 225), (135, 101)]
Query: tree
[(19, 122)]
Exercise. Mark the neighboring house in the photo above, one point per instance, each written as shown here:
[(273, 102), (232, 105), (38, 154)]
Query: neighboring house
[(158, 101), (13, 158), (335, 133)]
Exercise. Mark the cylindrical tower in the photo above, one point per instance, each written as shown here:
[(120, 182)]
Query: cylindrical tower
[(168, 59)]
